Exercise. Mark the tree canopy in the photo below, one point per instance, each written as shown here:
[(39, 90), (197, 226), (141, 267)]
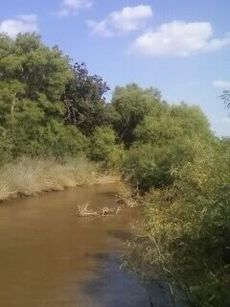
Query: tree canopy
[(130, 105), (84, 99), (32, 80)]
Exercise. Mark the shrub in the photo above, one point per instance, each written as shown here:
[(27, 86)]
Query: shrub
[(148, 166), (54, 139), (6, 147), (130, 104), (187, 228), (103, 146)]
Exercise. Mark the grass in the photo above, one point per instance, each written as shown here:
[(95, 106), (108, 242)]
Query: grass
[(27, 176)]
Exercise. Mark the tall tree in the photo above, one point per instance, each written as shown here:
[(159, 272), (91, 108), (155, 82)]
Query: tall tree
[(84, 99), (32, 81), (131, 104)]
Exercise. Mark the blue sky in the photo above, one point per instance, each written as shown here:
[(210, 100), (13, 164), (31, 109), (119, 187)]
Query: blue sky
[(181, 47)]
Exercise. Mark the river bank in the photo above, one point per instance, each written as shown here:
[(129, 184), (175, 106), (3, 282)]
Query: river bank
[(27, 177)]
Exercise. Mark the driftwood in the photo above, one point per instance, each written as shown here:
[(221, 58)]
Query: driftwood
[(110, 211), (84, 211)]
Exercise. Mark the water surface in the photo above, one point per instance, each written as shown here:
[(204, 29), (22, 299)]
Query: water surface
[(50, 257)]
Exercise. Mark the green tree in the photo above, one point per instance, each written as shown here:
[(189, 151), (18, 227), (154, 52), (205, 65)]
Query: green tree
[(173, 124), (39, 69), (130, 105), (32, 81), (103, 142)]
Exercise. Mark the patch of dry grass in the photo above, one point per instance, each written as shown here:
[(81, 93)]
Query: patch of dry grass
[(28, 176)]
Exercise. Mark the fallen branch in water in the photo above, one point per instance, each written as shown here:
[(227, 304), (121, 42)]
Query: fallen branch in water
[(109, 211), (84, 211)]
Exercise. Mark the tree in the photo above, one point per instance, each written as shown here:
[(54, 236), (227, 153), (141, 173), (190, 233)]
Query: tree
[(103, 143), (32, 81), (173, 124), (84, 100), (31, 71), (41, 70), (131, 104)]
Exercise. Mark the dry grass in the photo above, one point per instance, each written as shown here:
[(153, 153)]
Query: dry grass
[(28, 176)]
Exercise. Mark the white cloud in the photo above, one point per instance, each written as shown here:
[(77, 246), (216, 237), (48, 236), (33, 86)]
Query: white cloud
[(179, 38), (221, 84), (21, 24), (122, 22), (71, 7)]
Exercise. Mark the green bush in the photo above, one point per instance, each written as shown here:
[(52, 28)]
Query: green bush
[(6, 147), (187, 228), (54, 139), (171, 124), (130, 104), (102, 143), (147, 166)]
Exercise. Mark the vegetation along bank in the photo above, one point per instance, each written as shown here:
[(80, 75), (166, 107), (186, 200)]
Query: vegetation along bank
[(57, 130)]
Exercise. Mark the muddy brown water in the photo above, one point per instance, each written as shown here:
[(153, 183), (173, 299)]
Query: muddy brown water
[(50, 257)]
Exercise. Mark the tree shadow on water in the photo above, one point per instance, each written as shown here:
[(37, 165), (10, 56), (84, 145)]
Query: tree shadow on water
[(122, 235), (114, 287)]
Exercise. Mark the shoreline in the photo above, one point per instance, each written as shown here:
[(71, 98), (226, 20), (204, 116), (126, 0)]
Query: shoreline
[(27, 177), (107, 179)]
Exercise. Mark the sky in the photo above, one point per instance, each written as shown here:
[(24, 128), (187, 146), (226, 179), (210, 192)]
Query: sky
[(182, 47)]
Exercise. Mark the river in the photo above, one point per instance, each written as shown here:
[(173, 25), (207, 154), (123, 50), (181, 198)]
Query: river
[(51, 257)]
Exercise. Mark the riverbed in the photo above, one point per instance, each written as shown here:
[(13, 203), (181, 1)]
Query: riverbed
[(51, 257)]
